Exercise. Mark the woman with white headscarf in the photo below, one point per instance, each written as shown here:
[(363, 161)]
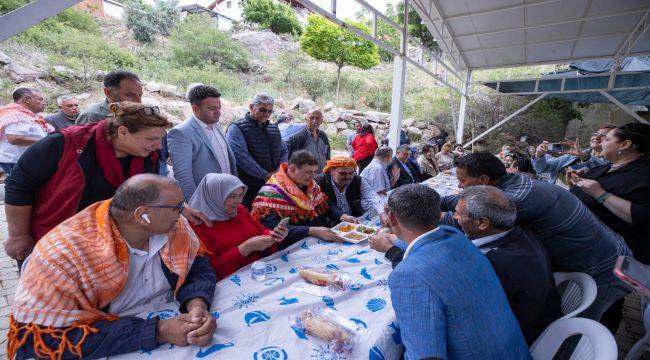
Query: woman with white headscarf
[(235, 239)]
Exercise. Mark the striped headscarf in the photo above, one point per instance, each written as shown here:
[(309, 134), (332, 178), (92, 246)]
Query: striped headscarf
[(15, 113), (339, 161), (76, 270)]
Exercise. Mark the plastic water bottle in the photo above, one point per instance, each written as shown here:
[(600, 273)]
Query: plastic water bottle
[(258, 270)]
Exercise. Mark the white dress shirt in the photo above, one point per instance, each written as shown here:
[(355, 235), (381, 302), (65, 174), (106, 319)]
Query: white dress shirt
[(10, 153), (488, 239), (410, 246), (146, 286), (218, 143)]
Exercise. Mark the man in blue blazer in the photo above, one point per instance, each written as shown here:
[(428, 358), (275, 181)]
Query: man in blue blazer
[(448, 301), (198, 146)]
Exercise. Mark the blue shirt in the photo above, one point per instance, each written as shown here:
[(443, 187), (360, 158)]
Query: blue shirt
[(449, 302)]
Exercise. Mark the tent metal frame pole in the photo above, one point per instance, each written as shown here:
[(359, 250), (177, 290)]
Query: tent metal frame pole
[(320, 11), (623, 107), (399, 82), (508, 118), (462, 112), (31, 14)]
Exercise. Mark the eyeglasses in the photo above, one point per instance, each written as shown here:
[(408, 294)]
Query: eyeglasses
[(180, 206), (147, 110)]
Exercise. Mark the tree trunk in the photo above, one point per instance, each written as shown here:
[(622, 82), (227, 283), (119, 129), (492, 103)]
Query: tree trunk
[(338, 82)]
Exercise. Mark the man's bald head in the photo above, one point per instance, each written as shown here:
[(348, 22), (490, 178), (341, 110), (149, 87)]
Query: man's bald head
[(141, 190)]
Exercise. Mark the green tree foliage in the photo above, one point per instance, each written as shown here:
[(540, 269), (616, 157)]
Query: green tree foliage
[(10, 5), (196, 41), (276, 16), (417, 28), (385, 32), (325, 41), (147, 21)]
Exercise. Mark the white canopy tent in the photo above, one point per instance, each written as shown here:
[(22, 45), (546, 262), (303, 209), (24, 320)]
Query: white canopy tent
[(473, 35)]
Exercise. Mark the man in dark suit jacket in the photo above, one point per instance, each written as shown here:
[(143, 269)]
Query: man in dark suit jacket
[(488, 218), (409, 174)]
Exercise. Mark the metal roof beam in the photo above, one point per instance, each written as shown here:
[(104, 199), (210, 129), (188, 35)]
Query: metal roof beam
[(31, 14), (438, 34), (623, 107), (505, 8), (555, 23)]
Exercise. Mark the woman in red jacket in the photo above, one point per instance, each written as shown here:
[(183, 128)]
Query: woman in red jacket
[(235, 239), (364, 146)]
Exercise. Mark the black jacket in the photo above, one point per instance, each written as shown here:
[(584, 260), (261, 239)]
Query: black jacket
[(264, 143), (404, 177), (525, 273), (524, 269), (298, 141), (352, 195)]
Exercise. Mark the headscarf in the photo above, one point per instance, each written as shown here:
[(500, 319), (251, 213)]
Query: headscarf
[(339, 161), (211, 194)]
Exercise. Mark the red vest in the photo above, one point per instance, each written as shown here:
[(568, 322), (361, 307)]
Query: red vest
[(59, 198)]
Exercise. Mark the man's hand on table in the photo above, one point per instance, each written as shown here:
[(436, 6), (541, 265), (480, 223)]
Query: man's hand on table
[(325, 234), (382, 242), (199, 314), (174, 330)]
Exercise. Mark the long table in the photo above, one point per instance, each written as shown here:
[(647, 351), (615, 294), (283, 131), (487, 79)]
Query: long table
[(254, 318)]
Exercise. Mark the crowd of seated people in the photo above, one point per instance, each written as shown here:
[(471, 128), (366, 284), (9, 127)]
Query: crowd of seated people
[(239, 195)]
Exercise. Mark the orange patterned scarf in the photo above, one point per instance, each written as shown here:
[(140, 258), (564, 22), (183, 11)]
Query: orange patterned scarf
[(77, 269), (282, 196)]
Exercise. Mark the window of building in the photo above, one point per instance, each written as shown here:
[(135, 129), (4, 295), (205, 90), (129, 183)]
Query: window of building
[(229, 4)]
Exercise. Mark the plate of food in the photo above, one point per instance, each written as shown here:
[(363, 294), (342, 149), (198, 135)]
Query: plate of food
[(367, 230), (344, 227)]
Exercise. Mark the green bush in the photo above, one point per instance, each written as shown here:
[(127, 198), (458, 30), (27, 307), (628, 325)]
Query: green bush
[(78, 19), (276, 16), (147, 21), (76, 46), (11, 5), (314, 82), (196, 41)]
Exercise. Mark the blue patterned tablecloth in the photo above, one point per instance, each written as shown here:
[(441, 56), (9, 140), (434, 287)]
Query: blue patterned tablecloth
[(253, 318)]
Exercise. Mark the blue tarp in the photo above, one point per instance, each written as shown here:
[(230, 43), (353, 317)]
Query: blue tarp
[(575, 79)]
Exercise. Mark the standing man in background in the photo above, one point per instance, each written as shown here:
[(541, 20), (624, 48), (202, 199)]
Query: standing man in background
[(20, 127), (257, 145), (197, 145), (67, 115), (119, 85)]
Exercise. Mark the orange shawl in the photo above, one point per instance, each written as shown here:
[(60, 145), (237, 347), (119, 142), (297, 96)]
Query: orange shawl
[(77, 269)]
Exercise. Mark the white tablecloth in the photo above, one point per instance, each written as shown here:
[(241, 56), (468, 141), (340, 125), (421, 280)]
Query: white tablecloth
[(253, 318)]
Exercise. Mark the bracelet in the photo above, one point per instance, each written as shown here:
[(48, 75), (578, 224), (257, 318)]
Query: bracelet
[(601, 199)]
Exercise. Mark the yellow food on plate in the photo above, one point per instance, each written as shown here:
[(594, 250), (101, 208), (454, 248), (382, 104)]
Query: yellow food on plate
[(346, 228), (316, 277), (354, 236)]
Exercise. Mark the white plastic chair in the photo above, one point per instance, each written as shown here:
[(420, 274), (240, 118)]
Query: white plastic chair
[(578, 294), (643, 345), (596, 343)]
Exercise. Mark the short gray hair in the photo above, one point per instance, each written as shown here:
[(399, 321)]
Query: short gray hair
[(63, 98), (262, 99), (415, 206), (488, 202), (383, 152), (402, 148)]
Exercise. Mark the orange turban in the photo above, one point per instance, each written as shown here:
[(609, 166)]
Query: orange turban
[(339, 161)]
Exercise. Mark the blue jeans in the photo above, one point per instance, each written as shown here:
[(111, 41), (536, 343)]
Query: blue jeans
[(6, 167)]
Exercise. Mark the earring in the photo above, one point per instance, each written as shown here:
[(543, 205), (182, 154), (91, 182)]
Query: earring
[(620, 152)]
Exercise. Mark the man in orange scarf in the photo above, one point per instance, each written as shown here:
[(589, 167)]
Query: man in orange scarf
[(292, 193), (87, 278)]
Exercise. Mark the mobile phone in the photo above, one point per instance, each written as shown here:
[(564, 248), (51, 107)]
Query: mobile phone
[(283, 222), (557, 148), (634, 273)]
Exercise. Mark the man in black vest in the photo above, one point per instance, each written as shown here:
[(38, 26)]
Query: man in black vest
[(257, 145), (312, 139), (409, 174), (349, 195)]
